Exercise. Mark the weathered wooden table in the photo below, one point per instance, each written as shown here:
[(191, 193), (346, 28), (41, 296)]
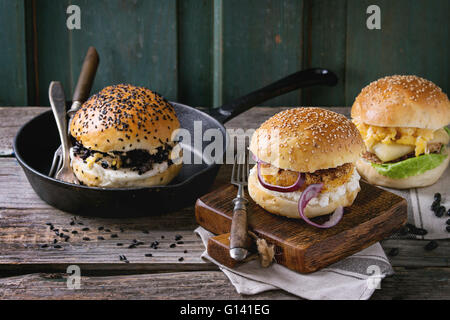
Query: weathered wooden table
[(28, 271)]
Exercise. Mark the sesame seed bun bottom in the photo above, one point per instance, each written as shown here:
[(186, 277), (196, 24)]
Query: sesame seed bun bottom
[(427, 178), (289, 208)]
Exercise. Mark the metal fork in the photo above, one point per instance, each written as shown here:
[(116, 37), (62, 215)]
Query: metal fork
[(238, 237)]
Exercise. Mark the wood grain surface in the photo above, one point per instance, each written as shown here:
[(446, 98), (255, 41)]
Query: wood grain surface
[(26, 269), (245, 44), (374, 215)]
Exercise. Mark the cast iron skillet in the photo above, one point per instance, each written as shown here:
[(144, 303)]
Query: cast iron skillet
[(37, 140)]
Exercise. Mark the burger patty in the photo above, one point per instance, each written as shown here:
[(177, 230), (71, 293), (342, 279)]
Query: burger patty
[(331, 178), (137, 160), (371, 157)]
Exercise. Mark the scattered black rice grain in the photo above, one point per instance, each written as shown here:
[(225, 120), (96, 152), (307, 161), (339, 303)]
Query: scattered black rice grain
[(403, 230), (66, 238), (85, 229), (185, 251), (101, 228), (61, 235), (437, 197), (57, 246), (180, 242), (178, 237), (145, 231), (86, 239), (393, 252), (448, 212), (114, 236), (431, 245), (65, 230), (44, 246), (81, 223), (124, 259), (416, 231), (149, 255), (121, 229), (181, 259), (132, 246), (55, 241), (49, 223), (107, 230), (448, 222), (100, 238), (447, 228), (173, 245), (119, 244), (52, 227), (440, 211), (162, 237), (72, 223), (74, 232)]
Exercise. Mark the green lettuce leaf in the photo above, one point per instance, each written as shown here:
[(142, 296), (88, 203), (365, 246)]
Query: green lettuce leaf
[(448, 130), (412, 166)]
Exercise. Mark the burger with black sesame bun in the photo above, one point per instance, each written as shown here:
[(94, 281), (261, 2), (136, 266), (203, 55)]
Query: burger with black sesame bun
[(306, 164), (402, 120), (124, 136)]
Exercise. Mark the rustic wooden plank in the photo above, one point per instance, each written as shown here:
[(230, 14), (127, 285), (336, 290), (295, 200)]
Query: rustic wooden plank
[(165, 286), (262, 42), (324, 43), (12, 119), (23, 218), (136, 41), (194, 52), (413, 40), (413, 254), (405, 284), (415, 284), (13, 72)]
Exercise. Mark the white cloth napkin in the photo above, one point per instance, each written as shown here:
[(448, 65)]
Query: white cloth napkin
[(419, 207), (353, 278)]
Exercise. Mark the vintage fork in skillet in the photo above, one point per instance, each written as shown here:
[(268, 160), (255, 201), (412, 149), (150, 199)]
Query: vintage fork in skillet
[(80, 95), (238, 237), (58, 104)]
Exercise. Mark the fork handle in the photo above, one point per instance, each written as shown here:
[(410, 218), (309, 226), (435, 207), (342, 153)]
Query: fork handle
[(238, 237)]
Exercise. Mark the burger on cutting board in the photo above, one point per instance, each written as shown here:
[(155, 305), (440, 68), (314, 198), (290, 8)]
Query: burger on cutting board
[(402, 120), (306, 164), (124, 137)]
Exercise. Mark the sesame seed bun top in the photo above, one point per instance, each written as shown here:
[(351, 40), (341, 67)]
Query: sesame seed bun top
[(402, 101), (123, 118), (307, 140)]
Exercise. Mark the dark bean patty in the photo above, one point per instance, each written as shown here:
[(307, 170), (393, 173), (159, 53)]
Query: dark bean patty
[(137, 160)]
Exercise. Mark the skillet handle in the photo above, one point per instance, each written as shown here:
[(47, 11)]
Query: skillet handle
[(87, 75), (300, 79)]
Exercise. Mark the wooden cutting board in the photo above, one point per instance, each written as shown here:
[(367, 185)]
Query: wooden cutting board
[(374, 215)]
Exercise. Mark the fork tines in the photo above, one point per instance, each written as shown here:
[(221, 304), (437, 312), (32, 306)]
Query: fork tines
[(241, 168)]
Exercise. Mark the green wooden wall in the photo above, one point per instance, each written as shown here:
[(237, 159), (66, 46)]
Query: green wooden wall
[(205, 52)]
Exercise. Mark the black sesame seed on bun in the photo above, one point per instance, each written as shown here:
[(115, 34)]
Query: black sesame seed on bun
[(123, 118), (124, 137)]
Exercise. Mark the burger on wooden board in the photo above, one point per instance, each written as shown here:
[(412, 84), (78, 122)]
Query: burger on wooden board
[(124, 138), (306, 164), (402, 120)]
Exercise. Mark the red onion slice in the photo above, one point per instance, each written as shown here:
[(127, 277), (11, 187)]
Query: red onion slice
[(297, 184), (310, 192)]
